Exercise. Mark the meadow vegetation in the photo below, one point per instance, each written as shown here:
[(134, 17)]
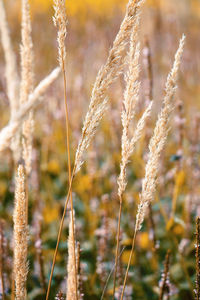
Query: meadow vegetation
[(99, 149)]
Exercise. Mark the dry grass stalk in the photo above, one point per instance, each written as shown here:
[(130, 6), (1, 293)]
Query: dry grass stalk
[(122, 183), (148, 84), (71, 268), (59, 296), (20, 236), (147, 60), (131, 97), (102, 234), (35, 99), (2, 256), (197, 290), (39, 250), (152, 227), (60, 20), (165, 283), (79, 272), (12, 78), (158, 139), (156, 146), (38, 220), (11, 73), (26, 86), (106, 76)]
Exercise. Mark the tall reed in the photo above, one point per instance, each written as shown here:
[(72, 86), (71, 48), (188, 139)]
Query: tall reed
[(131, 98), (60, 20), (98, 103), (156, 146)]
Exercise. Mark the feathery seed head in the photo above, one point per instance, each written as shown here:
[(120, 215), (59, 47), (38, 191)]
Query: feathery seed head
[(27, 79), (20, 236), (158, 140), (131, 97), (60, 21), (106, 76)]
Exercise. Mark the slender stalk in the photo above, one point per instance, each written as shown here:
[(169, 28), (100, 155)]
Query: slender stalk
[(13, 287), (129, 263), (152, 227), (108, 278), (59, 233), (69, 170), (1, 260), (60, 21), (156, 146), (182, 262), (197, 291), (40, 258), (165, 284), (131, 98), (122, 181), (117, 246), (11, 73), (148, 65), (106, 76), (59, 296)]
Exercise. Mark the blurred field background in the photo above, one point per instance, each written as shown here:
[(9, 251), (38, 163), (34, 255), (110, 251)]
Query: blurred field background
[(91, 29)]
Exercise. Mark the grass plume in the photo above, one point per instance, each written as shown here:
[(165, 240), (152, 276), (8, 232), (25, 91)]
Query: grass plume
[(131, 98), (106, 76), (156, 146), (26, 86), (20, 236)]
